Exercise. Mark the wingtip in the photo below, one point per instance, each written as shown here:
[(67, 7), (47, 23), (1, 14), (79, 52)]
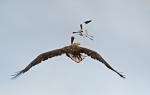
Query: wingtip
[(122, 76), (88, 21), (72, 39), (17, 74)]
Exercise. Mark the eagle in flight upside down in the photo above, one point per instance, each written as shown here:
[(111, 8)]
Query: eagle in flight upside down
[(74, 51)]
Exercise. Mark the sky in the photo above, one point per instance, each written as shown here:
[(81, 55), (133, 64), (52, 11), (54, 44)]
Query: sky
[(121, 35)]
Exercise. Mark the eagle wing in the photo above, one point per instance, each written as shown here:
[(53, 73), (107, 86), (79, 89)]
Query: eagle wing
[(98, 57), (39, 59)]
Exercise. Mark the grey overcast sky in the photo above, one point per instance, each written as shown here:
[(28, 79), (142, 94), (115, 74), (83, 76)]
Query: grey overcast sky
[(121, 30)]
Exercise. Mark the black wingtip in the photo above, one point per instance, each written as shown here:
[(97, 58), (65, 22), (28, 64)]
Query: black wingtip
[(72, 39), (75, 32), (88, 21), (17, 74), (122, 76)]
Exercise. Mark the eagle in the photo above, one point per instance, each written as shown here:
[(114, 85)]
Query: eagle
[(73, 51), (83, 32)]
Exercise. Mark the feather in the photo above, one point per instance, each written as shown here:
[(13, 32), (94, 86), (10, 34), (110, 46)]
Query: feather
[(88, 21)]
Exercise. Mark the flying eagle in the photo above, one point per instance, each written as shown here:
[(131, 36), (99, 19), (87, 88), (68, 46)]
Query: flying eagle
[(74, 51), (83, 32)]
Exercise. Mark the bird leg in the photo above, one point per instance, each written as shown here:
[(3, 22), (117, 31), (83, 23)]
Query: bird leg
[(87, 35)]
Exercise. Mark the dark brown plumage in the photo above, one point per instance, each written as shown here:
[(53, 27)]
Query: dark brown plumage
[(73, 49)]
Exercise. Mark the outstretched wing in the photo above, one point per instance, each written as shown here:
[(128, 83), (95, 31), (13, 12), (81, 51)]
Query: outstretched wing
[(98, 57), (39, 59), (86, 22)]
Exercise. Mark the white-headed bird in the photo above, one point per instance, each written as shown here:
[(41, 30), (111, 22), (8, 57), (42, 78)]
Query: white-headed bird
[(74, 51)]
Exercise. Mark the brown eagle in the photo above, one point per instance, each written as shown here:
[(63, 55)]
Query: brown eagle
[(74, 51)]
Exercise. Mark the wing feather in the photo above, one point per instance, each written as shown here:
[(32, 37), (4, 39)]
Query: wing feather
[(88, 21), (98, 57), (81, 26), (39, 59)]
